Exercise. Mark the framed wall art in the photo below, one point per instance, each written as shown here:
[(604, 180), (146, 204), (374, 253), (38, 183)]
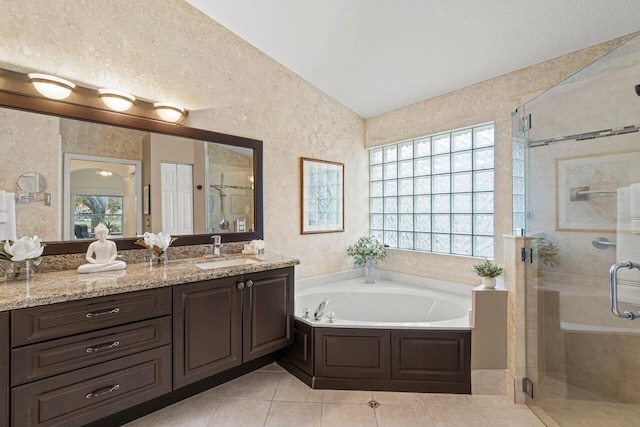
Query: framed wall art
[(322, 196)]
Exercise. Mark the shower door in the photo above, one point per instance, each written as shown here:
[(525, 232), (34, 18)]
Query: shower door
[(578, 147)]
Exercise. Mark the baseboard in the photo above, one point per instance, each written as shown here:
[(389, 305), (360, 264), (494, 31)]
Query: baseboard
[(391, 385), (295, 371), (490, 381)]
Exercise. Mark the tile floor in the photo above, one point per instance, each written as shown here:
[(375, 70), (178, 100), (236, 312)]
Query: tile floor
[(273, 397)]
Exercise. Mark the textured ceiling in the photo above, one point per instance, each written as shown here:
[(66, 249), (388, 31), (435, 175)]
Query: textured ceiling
[(378, 55)]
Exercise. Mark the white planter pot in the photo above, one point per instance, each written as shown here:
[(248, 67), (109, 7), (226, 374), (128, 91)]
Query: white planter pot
[(489, 282)]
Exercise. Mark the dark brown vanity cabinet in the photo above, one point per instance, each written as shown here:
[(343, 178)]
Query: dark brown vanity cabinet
[(207, 329), (82, 361), (267, 312), (4, 369), (77, 362), (219, 324)]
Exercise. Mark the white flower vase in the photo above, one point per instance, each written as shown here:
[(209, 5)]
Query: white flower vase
[(489, 282), (369, 272), (159, 258), (19, 270)]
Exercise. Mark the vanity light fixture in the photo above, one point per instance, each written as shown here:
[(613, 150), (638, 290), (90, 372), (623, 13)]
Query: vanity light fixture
[(104, 173), (116, 99), (51, 86), (169, 112)]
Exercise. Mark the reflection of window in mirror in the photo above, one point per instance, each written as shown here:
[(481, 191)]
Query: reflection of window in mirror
[(101, 190), (91, 209)]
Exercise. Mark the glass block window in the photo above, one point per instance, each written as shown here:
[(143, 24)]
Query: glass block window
[(436, 193)]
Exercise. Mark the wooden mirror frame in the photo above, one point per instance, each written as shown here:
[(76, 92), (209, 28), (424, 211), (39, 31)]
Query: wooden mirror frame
[(18, 101)]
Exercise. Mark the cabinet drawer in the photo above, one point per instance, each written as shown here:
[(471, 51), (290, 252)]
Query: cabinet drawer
[(95, 392), (30, 325), (41, 360)]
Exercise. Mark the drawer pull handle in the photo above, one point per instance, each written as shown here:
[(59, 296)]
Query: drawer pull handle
[(102, 313), (240, 285), (249, 283), (103, 347), (106, 390)]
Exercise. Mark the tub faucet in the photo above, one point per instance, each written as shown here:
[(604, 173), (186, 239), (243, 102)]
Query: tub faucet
[(317, 315), (217, 244)]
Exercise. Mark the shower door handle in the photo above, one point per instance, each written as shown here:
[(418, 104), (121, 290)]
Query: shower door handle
[(613, 283)]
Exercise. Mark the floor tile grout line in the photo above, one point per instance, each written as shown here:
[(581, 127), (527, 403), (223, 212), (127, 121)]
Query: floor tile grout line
[(375, 415), (214, 412), (268, 413)]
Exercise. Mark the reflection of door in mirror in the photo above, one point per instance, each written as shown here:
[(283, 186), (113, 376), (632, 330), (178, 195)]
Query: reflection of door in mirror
[(231, 196), (101, 190), (176, 183), (174, 168)]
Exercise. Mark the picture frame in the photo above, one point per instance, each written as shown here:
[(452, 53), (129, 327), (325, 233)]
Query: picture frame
[(321, 196), (146, 201)]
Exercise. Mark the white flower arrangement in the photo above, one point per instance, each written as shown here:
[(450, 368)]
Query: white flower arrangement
[(25, 248), (367, 249), (157, 243)]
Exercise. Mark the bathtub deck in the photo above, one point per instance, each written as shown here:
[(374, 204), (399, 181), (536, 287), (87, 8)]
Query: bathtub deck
[(380, 359)]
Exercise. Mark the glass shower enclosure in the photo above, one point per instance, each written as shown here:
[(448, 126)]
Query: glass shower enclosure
[(576, 184)]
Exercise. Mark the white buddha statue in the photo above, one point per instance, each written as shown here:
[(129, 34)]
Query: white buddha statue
[(101, 254)]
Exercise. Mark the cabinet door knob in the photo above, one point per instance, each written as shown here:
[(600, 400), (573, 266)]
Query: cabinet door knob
[(240, 285), (249, 283)]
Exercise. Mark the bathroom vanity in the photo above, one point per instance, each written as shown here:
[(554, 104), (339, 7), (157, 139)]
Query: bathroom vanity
[(109, 347)]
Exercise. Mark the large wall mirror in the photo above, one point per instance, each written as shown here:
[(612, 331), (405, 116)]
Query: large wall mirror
[(131, 173)]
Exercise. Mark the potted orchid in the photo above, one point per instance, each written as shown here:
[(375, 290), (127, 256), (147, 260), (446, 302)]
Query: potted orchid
[(367, 251), (22, 254), (157, 244)]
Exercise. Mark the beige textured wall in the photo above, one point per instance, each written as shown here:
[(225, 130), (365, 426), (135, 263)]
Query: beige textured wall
[(18, 131), (492, 100), (135, 46), (166, 50), (99, 140)]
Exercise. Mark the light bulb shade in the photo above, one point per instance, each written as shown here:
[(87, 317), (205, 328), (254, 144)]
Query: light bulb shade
[(51, 86), (116, 99), (169, 112)]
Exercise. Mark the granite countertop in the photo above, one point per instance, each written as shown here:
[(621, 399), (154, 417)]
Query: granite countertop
[(68, 285)]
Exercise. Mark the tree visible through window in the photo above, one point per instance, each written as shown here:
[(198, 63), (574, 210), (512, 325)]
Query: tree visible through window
[(435, 193), (89, 211)]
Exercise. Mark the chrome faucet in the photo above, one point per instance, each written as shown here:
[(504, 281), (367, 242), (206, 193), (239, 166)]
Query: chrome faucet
[(317, 315), (217, 244)]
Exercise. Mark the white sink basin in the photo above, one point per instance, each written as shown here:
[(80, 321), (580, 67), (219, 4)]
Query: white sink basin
[(226, 263)]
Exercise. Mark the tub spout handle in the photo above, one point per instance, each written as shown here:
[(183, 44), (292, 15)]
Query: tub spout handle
[(317, 315), (305, 312)]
